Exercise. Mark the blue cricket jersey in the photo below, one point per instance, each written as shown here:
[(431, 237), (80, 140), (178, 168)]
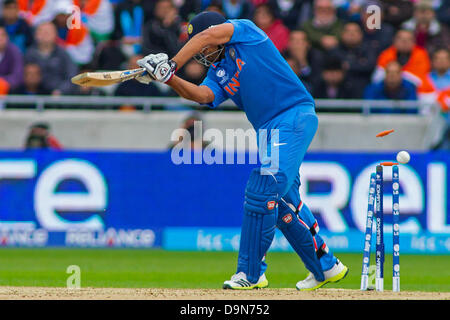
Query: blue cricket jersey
[(255, 76)]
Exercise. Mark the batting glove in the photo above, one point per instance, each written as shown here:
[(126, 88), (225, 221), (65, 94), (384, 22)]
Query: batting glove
[(159, 67)]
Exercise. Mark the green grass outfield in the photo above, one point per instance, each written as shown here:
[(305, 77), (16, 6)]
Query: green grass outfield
[(129, 268)]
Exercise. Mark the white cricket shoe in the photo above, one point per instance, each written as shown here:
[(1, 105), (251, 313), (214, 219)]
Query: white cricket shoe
[(338, 272), (239, 282)]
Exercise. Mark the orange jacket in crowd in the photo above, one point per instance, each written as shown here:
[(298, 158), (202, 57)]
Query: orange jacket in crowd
[(99, 13), (78, 44), (36, 11), (417, 67), (428, 92)]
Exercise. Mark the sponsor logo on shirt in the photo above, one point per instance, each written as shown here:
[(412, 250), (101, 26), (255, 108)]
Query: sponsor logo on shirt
[(287, 218)]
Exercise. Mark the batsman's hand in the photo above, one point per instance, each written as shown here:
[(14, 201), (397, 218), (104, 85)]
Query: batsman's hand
[(159, 67), (145, 78)]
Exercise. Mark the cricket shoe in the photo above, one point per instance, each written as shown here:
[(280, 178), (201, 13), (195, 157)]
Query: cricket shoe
[(239, 282), (338, 272)]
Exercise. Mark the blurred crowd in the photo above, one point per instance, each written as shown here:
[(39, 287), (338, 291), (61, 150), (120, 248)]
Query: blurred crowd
[(354, 49)]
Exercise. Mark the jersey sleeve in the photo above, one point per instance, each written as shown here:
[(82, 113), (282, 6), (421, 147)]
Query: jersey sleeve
[(219, 93), (246, 32)]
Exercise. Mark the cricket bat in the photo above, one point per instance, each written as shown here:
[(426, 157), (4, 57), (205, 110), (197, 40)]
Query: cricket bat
[(102, 79)]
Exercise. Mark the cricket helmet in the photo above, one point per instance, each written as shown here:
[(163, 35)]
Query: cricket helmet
[(201, 22)]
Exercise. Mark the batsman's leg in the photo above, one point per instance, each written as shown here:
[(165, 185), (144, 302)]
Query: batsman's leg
[(301, 229), (258, 230)]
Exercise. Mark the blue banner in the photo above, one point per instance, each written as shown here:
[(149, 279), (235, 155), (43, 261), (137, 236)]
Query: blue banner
[(140, 199), (227, 239)]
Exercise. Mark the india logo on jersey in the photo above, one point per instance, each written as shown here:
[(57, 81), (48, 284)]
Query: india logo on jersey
[(233, 86)]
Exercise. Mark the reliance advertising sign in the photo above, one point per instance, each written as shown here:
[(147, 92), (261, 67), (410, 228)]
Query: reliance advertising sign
[(125, 199)]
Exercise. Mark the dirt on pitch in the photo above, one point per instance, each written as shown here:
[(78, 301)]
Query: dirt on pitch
[(39, 293)]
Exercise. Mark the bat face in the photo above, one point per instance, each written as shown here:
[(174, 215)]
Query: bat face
[(102, 79)]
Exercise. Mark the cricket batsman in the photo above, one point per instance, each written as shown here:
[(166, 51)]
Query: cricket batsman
[(245, 66)]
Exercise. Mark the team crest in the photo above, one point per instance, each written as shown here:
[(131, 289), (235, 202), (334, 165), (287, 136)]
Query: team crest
[(190, 29), (163, 71), (271, 205), (220, 73), (232, 53), (287, 218)]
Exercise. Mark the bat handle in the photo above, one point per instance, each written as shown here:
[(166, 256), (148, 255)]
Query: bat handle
[(144, 74)]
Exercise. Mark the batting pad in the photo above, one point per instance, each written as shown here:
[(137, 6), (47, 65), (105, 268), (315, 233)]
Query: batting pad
[(258, 226), (298, 233)]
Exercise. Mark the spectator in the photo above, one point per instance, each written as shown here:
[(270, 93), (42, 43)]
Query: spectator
[(92, 91), (324, 28), (435, 87), (134, 88), (11, 64), (37, 12), (256, 3), (32, 81), (188, 135), (333, 84), (293, 63), (358, 58), (378, 39), (56, 65), (129, 19), (115, 2), (349, 10), (443, 13), (109, 56), (295, 66), (414, 60), (188, 8), (194, 72), (39, 137), (76, 40), (216, 7), (430, 33), (307, 59), (19, 31), (236, 9), (162, 34), (265, 19), (293, 13), (396, 12), (393, 87), (99, 17)]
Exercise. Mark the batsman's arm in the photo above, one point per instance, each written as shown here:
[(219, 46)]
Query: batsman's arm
[(214, 36), (190, 91)]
